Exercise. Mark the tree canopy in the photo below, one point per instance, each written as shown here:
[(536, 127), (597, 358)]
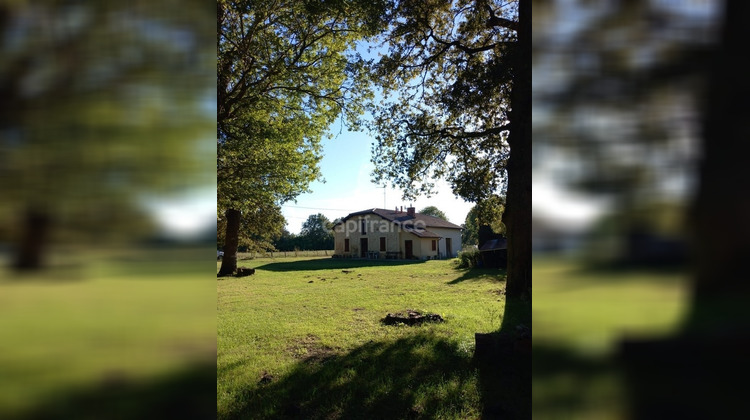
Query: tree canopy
[(434, 211), (446, 86), (101, 104), (456, 85), (634, 156), (316, 232), (283, 78), (487, 215)]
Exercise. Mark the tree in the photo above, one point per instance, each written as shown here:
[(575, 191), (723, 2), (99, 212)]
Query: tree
[(486, 215), (456, 83), (716, 318), (701, 363), (286, 241), (101, 103), (283, 78), (434, 212), (316, 232), (249, 238), (627, 126)]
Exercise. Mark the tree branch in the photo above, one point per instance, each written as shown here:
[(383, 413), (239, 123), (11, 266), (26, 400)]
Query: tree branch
[(500, 22), (464, 48)]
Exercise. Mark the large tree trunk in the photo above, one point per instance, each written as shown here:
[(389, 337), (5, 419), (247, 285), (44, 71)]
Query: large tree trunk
[(504, 357), (702, 371), (231, 242), (517, 215), (721, 211), (33, 241)]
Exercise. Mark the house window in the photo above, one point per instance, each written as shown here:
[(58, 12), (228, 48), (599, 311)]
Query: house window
[(382, 243), (434, 245), (346, 245), (363, 224)]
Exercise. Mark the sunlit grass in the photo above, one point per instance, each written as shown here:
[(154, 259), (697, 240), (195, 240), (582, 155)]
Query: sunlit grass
[(592, 310), (315, 330), (107, 321)]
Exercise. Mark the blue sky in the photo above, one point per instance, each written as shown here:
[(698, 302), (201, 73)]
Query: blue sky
[(346, 168)]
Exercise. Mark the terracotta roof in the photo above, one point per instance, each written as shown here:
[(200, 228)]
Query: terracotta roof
[(402, 218)]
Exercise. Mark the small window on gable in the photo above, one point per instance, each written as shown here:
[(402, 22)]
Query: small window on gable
[(363, 225), (434, 245), (382, 243), (346, 245)]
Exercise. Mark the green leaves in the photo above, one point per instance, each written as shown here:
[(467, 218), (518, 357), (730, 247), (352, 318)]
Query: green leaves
[(434, 211), (446, 83), (284, 77), (486, 214), (103, 103)]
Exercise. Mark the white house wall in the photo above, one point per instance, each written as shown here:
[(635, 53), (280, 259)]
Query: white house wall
[(426, 244), (378, 227), (454, 235), (338, 240)]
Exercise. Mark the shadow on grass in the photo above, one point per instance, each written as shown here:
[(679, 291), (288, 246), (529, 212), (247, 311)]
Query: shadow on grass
[(504, 361), (572, 385), (187, 394), (332, 264), (421, 376), (53, 274), (477, 273)]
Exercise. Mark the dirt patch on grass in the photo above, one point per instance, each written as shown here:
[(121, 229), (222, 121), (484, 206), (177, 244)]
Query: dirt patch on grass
[(310, 350), (265, 378), (410, 317)]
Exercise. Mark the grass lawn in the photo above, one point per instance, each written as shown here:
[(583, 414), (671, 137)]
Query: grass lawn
[(118, 329), (302, 338), (579, 316)]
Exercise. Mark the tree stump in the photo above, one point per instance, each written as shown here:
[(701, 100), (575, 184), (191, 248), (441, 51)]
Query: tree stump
[(242, 272)]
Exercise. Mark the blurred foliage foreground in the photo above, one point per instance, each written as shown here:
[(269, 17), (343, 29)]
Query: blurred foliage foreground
[(125, 334)]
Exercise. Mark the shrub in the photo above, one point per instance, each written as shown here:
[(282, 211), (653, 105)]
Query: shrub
[(468, 258)]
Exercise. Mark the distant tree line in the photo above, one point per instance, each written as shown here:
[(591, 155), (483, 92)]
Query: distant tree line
[(316, 234)]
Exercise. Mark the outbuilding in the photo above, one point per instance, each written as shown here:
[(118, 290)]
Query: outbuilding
[(494, 253)]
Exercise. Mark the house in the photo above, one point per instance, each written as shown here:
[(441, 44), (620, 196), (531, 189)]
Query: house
[(381, 233)]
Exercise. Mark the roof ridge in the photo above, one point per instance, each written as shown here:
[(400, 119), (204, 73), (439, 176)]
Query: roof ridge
[(400, 217)]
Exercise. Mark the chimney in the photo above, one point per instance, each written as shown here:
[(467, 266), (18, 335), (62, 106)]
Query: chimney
[(402, 209), (410, 211)]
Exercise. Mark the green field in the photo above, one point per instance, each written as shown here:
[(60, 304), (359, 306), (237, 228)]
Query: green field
[(579, 317), (114, 330), (302, 338)]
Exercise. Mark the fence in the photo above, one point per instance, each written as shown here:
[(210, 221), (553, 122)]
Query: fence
[(284, 254)]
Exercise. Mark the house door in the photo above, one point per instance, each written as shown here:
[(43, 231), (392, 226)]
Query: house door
[(363, 247), (448, 248), (408, 249)]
